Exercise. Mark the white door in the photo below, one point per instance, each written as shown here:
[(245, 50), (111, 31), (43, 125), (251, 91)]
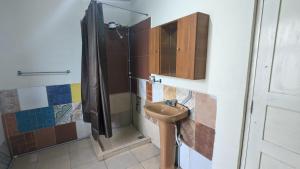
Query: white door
[(274, 139)]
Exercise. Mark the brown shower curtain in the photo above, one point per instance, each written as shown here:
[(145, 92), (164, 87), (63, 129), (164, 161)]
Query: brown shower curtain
[(95, 95)]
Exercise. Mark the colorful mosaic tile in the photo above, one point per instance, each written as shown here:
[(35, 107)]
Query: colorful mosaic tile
[(77, 112), (45, 137), (23, 143), (76, 92), (205, 138), (63, 113), (9, 102), (26, 120), (188, 132), (65, 132), (169, 93), (60, 94), (206, 109), (30, 120), (10, 124), (32, 98), (183, 95), (45, 117)]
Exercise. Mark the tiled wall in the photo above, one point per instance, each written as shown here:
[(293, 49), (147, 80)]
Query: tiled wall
[(38, 117), (198, 130)]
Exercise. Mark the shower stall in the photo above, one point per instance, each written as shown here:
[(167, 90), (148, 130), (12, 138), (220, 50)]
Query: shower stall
[(121, 88)]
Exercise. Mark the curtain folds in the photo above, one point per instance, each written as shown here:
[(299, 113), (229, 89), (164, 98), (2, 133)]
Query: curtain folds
[(94, 88)]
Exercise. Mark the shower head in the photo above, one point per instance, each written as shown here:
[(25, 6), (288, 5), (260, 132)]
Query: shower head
[(114, 26)]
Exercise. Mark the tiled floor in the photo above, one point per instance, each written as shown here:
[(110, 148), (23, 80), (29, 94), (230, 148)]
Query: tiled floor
[(80, 155), (121, 136)]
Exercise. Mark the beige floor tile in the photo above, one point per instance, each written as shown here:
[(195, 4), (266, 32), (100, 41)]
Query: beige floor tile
[(62, 162), (91, 165), (85, 155), (80, 145), (55, 152), (121, 161), (145, 152), (139, 166), (25, 162), (152, 163)]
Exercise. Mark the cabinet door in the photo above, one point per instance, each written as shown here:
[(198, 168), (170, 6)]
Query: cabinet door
[(186, 46), (154, 51)]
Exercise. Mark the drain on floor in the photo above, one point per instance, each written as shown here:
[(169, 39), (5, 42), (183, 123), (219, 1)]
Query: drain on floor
[(141, 137)]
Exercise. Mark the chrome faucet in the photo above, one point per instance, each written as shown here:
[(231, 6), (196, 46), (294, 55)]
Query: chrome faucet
[(153, 80)]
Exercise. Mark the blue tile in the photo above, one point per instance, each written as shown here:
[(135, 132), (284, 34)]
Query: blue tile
[(26, 120), (60, 94), (45, 117), (30, 120)]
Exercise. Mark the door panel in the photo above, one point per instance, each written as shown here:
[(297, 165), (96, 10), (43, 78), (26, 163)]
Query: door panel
[(154, 50), (274, 138), (268, 162), (186, 46), (285, 79)]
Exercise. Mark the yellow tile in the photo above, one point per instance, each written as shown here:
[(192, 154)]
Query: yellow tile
[(76, 92)]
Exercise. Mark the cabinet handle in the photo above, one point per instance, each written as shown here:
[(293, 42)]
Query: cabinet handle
[(178, 49)]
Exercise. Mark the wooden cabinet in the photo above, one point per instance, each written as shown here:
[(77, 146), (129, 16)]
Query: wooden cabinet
[(179, 48), (154, 50)]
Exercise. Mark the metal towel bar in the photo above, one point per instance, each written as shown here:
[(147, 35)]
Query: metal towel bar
[(20, 73)]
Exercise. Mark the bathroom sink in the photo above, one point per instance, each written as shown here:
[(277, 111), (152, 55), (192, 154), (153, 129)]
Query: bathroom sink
[(166, 113)]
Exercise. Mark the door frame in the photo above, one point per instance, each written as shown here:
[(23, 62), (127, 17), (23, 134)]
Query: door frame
[(256, 29)]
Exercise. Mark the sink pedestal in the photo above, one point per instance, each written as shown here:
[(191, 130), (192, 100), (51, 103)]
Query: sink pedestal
[(167, 117), (167, 145)]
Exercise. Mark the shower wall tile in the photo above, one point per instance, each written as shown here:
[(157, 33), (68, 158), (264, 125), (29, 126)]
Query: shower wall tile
[(169, 92), (149, 91), (65, 132), (119, 102), (205, 138), (31, 98), (121, 119), (63, 113), (30, 120), (206, 109), (59, 94), (188, 132), (10, 124), (45, 137), (76, 92), (9, 102), (157, 92), (23, 143)]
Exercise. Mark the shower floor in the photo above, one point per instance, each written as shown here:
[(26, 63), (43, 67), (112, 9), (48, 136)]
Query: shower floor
[(123, 139)]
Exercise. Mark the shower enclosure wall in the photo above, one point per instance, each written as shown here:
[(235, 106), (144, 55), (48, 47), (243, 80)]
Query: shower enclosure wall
[(123, 57)]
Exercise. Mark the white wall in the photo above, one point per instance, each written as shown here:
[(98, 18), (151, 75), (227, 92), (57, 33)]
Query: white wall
[(43, 35), (228, 58)]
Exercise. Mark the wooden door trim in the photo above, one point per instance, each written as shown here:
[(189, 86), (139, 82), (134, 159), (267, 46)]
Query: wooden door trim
[(256, 29)]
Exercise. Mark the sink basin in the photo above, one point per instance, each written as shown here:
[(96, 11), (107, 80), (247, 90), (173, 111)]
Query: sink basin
[(167, 116), (163, 112)]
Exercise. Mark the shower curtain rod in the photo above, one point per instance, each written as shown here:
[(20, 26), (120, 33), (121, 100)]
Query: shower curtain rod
[(137, 12)]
